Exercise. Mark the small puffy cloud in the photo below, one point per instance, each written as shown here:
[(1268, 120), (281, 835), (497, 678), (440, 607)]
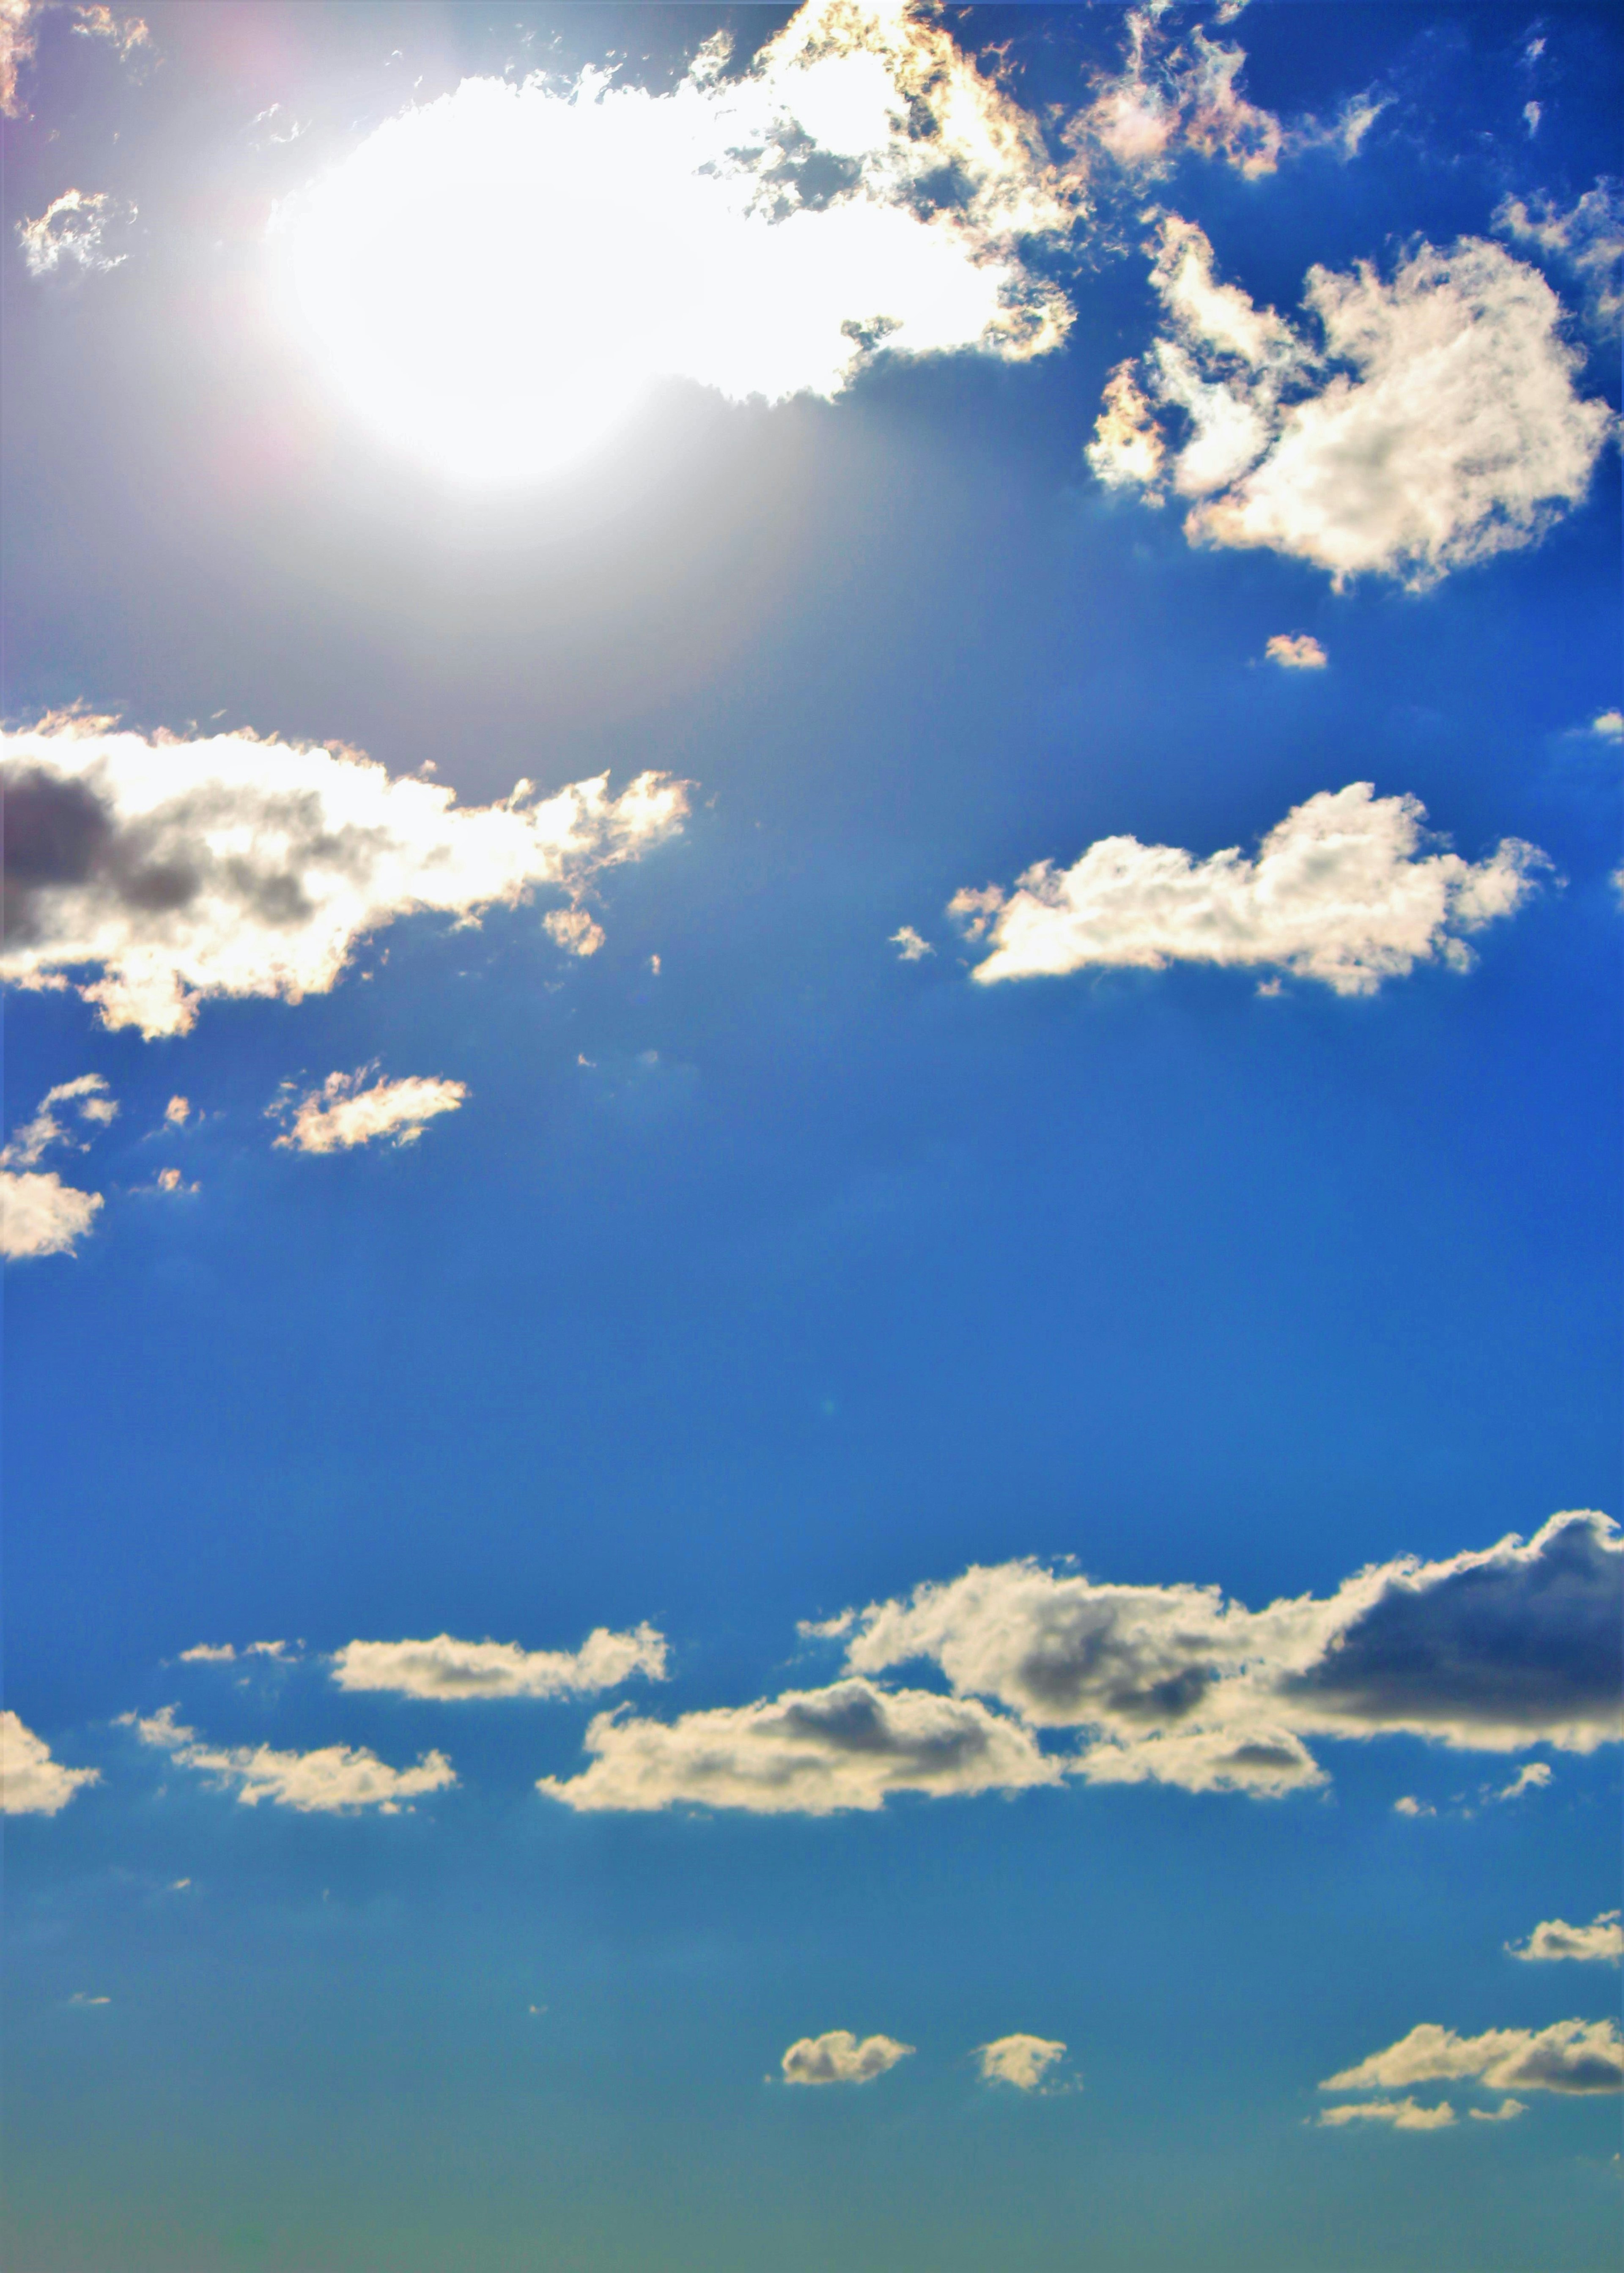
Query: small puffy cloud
[(808, 1752), (1350, 889), (443, 1668), (1601, 1942), (908, 945), (177, 1112), (1534, 1777), (573, 930), (223, 1653), (1407, 1804), (1433, 422), (343, 1113), (40, 1215), (31, 1781), (179, 870), (1588, 241), (170, 1183), (1507, 2111), (73, 229), (334, 1779), (1608, 726), (1569, 2056), (1022, 2061), (80, 1998), (838, 2057), (90, 1098), (1403, 2114), (1296, 651)]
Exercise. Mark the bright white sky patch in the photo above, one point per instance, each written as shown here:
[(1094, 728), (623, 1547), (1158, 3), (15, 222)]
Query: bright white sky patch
[(838, 2057), (444, 1668), (343, 1113), (495, 279), (1572, 2057), (1601, 1942), (234, 867), (1022, 2061), (1342, 890), (334, 1779), (31, 1781)]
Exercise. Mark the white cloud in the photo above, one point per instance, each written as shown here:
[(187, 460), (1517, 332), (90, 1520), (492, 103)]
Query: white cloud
[(808, 1752), (1436, 425), (29, 1144), (334, 1779), (1349, 889), (1608, 726), (19, 22), (1534, 1777), (838, 2057), (73, 229), (1570, 2057), (229, 866), (1407, 1804), (573, 930), (1507, 2111), (40, 1215), (1403, 2114), (1601, 1942), (1023, 2061), (31, 1782), (341, 1114), (861, 183), (176, 1111), (1588, 240), (1296, 651), (909, 946), (443, 1668), (206, 1653)]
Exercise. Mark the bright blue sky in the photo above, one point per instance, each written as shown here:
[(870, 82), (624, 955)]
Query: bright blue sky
[(761, 1263)]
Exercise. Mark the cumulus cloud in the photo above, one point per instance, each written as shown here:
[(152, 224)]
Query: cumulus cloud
[(1022, 2061), (1601, 1942), (1516, 1644), (909, 946), (1296, 651), (1403, 2114), (344, 1113), (40, 1215), (838, 2057), (1588, 240), (862, 184), (334, 1779), (1433, 423), (1349, 889), (31, 1781), (179, 870), (809, 1753), (1570, 2057), (74, 229), (1607, 726), (443, 1668)]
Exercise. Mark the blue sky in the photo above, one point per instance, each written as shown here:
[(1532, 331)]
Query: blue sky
[(812, 1112)]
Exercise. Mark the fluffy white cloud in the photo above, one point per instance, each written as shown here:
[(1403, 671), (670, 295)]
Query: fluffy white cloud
[(29, 1144), (31, 1782), (74, 229), (1437, 425), (1601, 1942), (1588, 240), (1608, 726), (1489, 1651), (909, 946), (1296, 651), (861, 184), (1023, 2061), (40, 1215), (838, 2057), (1570, 2057), (1349, 889), (444, 1668), (343, 1114), (1403, 2114), (334, 1779), (234, 866), (814, 1752)]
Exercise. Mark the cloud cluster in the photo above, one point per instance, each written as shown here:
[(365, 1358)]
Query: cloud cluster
[(1022, 2061), (1601, 1942), (333, 1780), (1588, 240), (74, 229), (31, 1781), (229, 866), (1436, 423), (443, 1668), (1348, 889), (838, 2057), (817, 1751), (1569, 2056), (38, 1213), (344, 1112)]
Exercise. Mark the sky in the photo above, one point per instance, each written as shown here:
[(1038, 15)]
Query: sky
[(811, 1179)]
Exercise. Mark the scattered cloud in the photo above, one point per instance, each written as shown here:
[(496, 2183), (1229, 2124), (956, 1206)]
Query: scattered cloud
[(40, 1215), (1407, 1804), (1601, 1942), (1534, 1777), (1403, 2114), (177, 1112), (334, 1779), (73, 229), (443, 1668), (838, 2057), (228, 866), (808, 1752), (1296, 651), (1570, 2057), (1607, 726), (223, 1653), (170, 1184), (343, 1114), (1507, 2111), (1022, 2061), (573, 930), (1349, 889), (908, 945), (1436, 425), (1588, 241), (88, 1094), (31, 1781)]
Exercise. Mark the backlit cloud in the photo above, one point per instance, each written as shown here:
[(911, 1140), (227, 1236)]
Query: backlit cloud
[(1434, 422), (838, 2057), (74, 230), (178, 870), (31, 1781), (333, 1780), (1601, 1942), (443, 1668), (343, 1113), (1570, 2057), (861, 184), (1349, 889), (1022, 2061)]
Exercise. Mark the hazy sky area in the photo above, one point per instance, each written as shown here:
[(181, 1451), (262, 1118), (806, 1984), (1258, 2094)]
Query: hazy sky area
[(810, 1171)]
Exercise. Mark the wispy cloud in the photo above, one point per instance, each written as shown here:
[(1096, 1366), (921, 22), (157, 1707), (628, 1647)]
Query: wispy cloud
[(31, 1781), (333, 1779), (346, 1112), (444, 1669), (838, 2057), (1403, 2114), (1587, 240), (73, 230)]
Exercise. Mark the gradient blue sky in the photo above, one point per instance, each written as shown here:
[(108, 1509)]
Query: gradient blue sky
[(766, 1270)]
